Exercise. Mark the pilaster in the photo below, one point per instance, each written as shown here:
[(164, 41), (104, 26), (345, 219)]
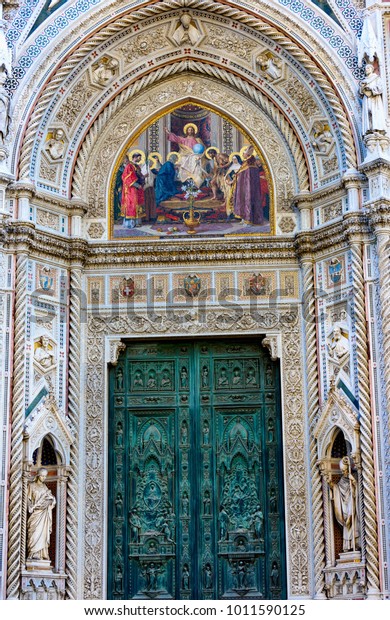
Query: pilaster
[(369, 514), (310, 331)]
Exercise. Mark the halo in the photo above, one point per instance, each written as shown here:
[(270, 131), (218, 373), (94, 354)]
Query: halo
[(137, 151), (242, 151), (211, 148), (194, 127), (174, 153), (233, 154)]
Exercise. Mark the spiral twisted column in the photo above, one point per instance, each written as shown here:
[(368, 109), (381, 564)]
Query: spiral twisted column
[(16, 523), (383, 251), (369, 533), (313, 409), (74, 416)]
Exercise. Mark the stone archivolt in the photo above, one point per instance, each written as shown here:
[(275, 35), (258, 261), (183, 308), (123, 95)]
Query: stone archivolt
[(255, 38)]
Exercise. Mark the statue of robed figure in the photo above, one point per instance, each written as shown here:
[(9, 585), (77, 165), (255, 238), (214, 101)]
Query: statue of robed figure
[(345, 501), (40, 504)]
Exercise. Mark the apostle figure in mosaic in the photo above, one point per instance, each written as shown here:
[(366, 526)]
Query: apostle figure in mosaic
[(373, 111), (40, 504), (133, 198), (248, 198), (344, 496)]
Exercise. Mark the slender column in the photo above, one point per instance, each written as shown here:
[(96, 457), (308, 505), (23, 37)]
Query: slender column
[(74, 416), (312, 410), (370, 534), (16, 550), (383, 250)]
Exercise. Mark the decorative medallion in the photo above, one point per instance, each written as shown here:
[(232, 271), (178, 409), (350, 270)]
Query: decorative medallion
[(127, 288), (258, 284), (45, 278), (192, 285), (335, 270)]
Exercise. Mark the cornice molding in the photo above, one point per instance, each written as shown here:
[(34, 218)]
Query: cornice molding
[(357, 226)]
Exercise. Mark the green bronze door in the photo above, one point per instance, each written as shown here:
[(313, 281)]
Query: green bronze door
[(195, 506)]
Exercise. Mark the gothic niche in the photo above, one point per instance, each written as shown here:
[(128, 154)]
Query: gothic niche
[(47, 439), (338, 442), (44, 573)]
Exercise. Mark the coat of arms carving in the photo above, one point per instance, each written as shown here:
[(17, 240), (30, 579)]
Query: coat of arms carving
[(45, 278), (192, 284), (258, 285), (127, 287)]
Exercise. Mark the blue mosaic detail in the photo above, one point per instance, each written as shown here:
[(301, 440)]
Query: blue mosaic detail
[(61, 21)]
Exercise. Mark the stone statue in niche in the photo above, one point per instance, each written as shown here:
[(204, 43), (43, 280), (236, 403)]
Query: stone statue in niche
[(55, 145), (344, 494), (40, 504), (338, 350), (373, 111), (44, 354), (186, 31)]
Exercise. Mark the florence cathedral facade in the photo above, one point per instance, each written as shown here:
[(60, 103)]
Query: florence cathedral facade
[(194, 299)]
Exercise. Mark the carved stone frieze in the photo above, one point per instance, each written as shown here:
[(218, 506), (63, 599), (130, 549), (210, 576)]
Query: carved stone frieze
[(221, 38), (75, 102), (298, 92), (47, 219), (330, 212), (146, 42)]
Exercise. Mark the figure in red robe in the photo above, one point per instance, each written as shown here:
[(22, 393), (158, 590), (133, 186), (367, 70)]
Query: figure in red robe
[(133, 198), (249, 194)]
